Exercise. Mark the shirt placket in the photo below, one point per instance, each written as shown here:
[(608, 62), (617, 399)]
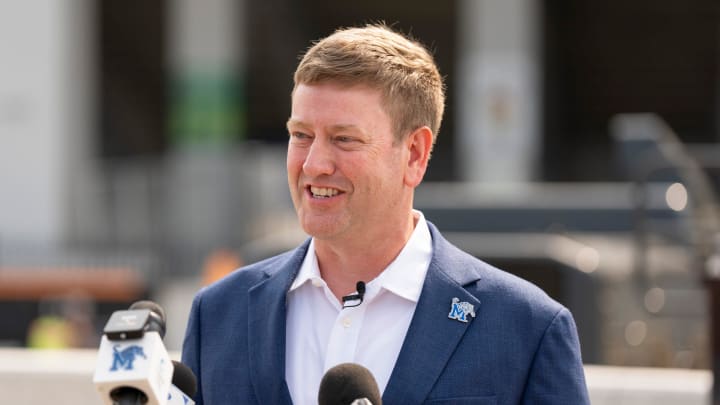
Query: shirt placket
[(344, 336)]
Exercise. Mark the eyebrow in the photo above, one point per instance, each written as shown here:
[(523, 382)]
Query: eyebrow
[(296, 123), (346, 127), (334, 128)]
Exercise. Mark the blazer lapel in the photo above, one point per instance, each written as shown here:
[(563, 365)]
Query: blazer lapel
[(266, 331), (432, 336)]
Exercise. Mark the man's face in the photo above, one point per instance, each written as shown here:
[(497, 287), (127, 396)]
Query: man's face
[(344, 169)]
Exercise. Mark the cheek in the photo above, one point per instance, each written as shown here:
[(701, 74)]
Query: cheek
[(294, 162), (393, 166)]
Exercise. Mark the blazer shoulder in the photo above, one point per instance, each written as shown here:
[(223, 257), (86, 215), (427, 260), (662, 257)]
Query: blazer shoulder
[(506, 298), (489, 283), (512, 289)]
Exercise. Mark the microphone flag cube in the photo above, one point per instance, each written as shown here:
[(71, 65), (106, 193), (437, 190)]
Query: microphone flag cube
[(142, 364)]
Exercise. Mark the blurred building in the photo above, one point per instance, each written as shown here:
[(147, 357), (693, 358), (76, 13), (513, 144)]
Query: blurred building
[(139, 139)]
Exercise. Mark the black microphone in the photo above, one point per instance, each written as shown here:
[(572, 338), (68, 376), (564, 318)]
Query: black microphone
[(347, 383), (184, 378), (360, 288), (184, 385), (156, 322)]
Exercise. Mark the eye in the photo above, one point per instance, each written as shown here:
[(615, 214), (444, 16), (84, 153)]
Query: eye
[(348, 142), (300, 136)]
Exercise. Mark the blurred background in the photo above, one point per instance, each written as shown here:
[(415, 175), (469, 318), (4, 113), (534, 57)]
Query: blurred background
[(142, 153)]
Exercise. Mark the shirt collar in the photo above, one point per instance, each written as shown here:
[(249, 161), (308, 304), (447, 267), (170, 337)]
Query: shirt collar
[(309, 270), (404, 276)]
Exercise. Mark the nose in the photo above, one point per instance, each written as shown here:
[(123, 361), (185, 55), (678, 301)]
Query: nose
[(319, 159)]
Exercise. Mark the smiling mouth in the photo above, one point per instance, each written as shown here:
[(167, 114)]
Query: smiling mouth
[(323, 192)]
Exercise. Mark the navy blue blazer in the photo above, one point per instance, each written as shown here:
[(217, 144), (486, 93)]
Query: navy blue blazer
[(520, 348)]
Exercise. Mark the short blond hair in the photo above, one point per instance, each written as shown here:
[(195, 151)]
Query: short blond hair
[(402, 69)]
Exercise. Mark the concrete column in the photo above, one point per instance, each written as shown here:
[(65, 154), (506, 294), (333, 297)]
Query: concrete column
[(499, 98), (206, 58), (45, 114)]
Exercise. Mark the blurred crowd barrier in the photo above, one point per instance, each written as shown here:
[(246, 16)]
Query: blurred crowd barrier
[(32, 377)]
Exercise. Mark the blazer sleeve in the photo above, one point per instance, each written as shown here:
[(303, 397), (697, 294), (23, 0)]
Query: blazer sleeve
[(557, 376), (191, 346)]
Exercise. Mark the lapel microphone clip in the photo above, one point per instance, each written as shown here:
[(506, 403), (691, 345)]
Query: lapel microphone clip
[(358, 296)]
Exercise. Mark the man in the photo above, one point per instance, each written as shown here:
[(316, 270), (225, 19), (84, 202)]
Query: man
[(434, 324)]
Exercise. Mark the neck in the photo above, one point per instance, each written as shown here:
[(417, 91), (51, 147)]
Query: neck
[(344, 263)]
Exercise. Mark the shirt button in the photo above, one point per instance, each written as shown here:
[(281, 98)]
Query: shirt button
[(346, 322), (317, 282)]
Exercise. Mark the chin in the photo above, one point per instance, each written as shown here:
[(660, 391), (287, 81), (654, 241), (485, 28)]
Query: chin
[(319, 232), (321, 229)]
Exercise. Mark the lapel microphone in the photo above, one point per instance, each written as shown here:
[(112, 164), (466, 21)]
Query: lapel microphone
[(360, 288)]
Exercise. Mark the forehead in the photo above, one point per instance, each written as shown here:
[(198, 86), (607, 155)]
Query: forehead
[(336, 104)]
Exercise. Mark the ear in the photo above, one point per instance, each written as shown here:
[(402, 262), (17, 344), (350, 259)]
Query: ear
[(418, 144)]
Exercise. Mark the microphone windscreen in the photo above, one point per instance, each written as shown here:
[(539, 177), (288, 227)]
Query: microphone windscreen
[(151, 306), (347, 382), (184, 379), (157, 315)]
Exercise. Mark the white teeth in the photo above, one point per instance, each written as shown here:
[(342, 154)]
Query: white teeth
[(323, 192)]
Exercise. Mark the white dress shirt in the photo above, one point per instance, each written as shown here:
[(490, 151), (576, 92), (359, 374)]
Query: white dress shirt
[(321, 334)]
